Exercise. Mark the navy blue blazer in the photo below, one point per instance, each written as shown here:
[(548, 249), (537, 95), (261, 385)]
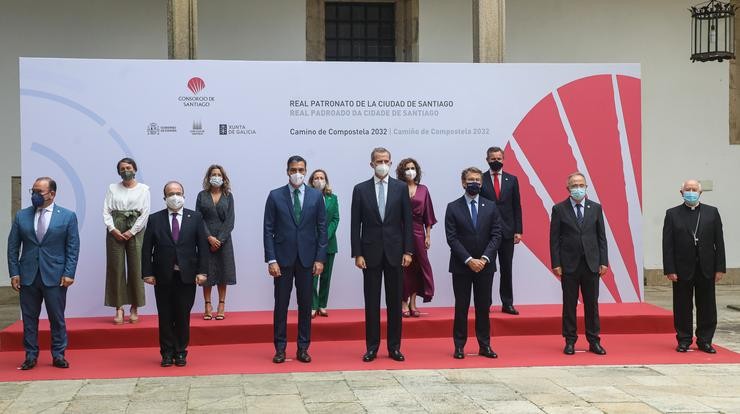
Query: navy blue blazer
[(372, 237), (468, 241), (286, 240), (54, 256), (509, 204)]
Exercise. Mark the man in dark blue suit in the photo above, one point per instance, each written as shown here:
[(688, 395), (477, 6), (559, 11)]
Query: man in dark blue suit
[(503, 188), (473, 230), (174, 258), (43, 247), (295, 242), (382, 243)]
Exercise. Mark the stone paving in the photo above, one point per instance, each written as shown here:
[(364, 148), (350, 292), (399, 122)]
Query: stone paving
[(590, 389)]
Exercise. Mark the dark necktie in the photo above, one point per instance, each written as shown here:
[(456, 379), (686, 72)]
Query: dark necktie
[(579, 214), (297, 205), (496, 185), (474, 213), (175, 227)]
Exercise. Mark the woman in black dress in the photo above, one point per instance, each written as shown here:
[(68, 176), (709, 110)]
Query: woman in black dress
[(216, 204)]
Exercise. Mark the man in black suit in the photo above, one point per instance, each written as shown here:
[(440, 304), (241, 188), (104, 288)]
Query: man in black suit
[(295, 240), (473, 229), (694, 260), (579, 257), (174, 258), (382, 243), (503, 188)]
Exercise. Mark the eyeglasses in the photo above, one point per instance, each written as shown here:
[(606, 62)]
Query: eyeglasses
[(31, 191)]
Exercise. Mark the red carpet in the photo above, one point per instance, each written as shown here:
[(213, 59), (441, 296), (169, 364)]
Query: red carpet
[(427, 353), (341, 325)]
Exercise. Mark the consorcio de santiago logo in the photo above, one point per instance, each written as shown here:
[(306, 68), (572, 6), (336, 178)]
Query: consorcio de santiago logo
[(196, 85)]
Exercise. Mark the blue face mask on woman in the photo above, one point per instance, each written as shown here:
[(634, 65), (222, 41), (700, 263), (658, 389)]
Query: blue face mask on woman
[(691, 197)]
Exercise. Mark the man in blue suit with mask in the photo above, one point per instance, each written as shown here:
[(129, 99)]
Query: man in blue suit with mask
[(295, 242), (43, 247)]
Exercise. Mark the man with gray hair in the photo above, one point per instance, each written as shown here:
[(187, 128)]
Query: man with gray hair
[(694, 260)]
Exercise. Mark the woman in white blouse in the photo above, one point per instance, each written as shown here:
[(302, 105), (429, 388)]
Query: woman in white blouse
[(125, 213)]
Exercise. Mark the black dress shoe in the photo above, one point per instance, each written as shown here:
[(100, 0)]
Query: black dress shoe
[(303, 356), (682, 348), (396, 355), (279, 357), (369, 356), (459, 353), (569, 349), (596, 348), (708, 348), (180, 360), (167, 361), (28, 364), (60, 363), (510, 310), (487, 352)]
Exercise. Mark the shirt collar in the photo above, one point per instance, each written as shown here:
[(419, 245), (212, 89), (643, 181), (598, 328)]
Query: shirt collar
[(469, 198), (500, 172), (377, 180), (301, 188), (170, 211), (49, 208), (574, 202)]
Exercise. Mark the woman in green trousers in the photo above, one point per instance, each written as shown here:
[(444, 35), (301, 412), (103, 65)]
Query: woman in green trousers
[(320, 181)]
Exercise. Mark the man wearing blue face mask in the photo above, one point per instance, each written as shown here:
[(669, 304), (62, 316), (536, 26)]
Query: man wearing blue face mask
[(43, 248), (694, 260), (578, 252)]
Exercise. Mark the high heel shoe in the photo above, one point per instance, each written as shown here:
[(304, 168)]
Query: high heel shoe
[(118, 320), (220, 314), (134, 315), (207, 312)]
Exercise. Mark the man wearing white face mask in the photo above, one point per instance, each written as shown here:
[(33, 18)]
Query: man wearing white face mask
[(578, 252), (174, 258), (382, 243), (295, 242), (694, 260)]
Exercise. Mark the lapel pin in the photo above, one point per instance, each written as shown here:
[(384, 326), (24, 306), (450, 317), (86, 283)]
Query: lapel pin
[(188, 215), (482, 205)]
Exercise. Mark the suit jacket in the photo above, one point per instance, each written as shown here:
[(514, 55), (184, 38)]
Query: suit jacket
[(679, 252), (332, 221), (373, 238), (285, 239), (160, 253), (468, 241), (509, 204), (569, 241), (53, 257)]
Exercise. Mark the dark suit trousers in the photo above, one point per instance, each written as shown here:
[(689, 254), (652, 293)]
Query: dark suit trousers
[(174, 303), (588, 282), (481, 286), (55, 299), (304, 294), (372, 280), (505, 259), (683, 308)]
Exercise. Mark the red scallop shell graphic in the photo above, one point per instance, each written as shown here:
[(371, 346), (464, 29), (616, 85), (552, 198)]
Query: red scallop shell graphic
[(596, 145), (196, 85)]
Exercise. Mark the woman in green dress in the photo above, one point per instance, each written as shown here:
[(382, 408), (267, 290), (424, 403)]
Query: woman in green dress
[(320, 181)]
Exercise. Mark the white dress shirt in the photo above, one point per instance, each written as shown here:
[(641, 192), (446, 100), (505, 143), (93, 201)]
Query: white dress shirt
[(47, 217)]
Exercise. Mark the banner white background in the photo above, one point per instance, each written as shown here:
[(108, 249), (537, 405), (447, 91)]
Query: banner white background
[(79, 117)]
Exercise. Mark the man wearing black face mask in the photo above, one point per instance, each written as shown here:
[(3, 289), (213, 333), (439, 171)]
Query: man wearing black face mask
[(503, 188), (43, 248), (473, 230)]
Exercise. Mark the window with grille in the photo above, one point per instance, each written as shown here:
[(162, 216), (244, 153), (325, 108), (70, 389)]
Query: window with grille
[(360, 31)]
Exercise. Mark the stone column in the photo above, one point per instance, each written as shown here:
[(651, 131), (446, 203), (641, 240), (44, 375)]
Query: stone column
[(182, 28), (488, 31), (315, 30), (735, 88)]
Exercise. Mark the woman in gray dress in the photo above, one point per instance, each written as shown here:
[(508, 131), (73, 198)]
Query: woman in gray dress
[(216, 204)]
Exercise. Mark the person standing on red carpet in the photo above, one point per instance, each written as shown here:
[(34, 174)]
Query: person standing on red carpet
[(43, 248), (295, 242), (174, 258), (473, 230), (578, 252), (382, 244), (694, 260)]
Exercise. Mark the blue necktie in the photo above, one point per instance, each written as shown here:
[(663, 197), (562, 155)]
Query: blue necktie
[(474, 213)]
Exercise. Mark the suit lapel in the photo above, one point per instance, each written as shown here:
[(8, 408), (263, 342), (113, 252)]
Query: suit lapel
[(466, 211), (374, 198), (289, 199), (167, 227), (570, 213), (54, 219)]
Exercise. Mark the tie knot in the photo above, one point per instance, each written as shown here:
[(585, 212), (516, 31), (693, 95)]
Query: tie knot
[(472, 201), (578, 206), (174, 214), (296, 191)]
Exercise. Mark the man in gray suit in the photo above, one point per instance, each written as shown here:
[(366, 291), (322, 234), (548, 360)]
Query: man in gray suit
[(579, 258)]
